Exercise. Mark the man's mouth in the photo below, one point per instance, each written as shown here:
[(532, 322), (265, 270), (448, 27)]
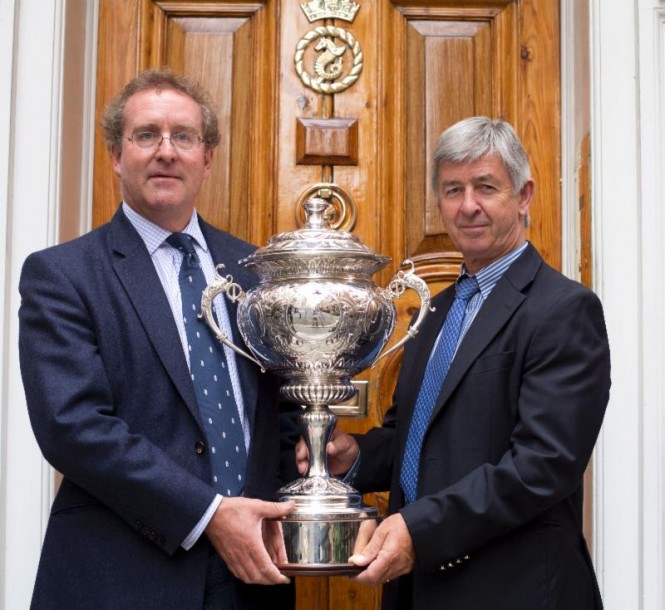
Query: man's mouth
[(163, 177), (472, 228)]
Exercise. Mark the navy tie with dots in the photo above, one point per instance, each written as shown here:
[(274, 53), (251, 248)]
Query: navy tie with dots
[(211, 379), (435, 373)]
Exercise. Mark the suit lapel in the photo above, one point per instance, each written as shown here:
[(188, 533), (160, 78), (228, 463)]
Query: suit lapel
[(504, 300), (136, 272)]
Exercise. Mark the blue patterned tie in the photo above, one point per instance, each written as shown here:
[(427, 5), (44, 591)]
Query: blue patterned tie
[(435, 373), (211, 379)]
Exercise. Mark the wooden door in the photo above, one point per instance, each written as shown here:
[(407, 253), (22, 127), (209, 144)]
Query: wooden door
[(347, 106)]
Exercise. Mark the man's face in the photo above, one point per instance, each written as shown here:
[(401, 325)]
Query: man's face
[(161, 184), (481, 214)]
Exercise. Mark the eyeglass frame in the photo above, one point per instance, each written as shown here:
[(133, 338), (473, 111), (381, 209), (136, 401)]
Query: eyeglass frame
[(163, 137)]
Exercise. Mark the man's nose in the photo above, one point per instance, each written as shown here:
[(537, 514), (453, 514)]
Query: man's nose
[(469, 201), (166, 150)]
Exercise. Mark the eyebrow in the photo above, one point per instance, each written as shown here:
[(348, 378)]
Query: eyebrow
[(474, 180), (484, 178), (155, 127)]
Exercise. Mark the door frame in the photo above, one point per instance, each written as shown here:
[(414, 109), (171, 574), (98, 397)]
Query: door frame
[(628, 530)]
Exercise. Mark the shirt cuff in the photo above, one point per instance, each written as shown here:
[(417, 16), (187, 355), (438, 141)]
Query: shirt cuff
[(199, 528), (350, 476)]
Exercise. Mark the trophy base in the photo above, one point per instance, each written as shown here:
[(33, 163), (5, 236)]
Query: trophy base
[(320, 545), (342, 569), (325, 530)]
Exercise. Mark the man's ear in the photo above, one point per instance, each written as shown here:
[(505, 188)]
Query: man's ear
[(116, 153), (207, 160), (526, 197)]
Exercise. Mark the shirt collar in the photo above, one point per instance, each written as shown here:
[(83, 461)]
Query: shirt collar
[(153, 235), (489, 276)]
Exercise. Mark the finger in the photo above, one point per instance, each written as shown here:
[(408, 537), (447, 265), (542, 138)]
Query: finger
[(270, 575), (302, 457), (301, 449), (360, 559), (302, 466), (252, 564), (274, 539), (371, 551), (370, 577), (275, 510), (365, 533)]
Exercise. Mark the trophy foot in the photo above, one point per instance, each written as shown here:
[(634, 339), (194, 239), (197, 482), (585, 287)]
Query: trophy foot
[(321, 544), (328, 525)]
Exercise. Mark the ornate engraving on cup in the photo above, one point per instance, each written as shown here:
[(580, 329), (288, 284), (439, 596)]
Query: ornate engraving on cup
[(316, 319)]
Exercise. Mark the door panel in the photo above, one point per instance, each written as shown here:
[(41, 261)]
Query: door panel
[(416, 67)]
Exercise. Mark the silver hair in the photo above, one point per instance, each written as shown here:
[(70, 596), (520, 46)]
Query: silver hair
[(475, 137)]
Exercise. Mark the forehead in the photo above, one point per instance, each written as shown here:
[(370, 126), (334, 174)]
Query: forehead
[(162, 107), (489, 166)]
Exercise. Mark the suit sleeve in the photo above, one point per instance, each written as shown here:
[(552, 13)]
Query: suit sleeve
[(562, 394), (379, 448), (73, 413)]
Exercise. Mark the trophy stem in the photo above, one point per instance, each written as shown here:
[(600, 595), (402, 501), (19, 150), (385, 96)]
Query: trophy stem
[(317, 489), (329, 523), (317, 423)]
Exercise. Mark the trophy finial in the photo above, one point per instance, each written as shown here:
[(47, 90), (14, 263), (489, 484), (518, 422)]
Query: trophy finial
[(315, 208)]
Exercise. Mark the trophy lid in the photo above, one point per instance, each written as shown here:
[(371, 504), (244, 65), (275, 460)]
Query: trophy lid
[(342, 251)]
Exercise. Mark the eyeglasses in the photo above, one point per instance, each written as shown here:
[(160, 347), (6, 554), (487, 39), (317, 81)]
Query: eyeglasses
[(151, 140)]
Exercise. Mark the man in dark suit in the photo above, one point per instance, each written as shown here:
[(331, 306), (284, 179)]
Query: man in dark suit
[(138, 520), (486, 480)]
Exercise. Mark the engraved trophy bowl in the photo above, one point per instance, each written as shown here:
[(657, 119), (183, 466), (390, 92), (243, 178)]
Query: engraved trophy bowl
[(316, 319)]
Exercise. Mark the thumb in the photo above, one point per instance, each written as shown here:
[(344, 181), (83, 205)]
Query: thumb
[(369, 553), (275, 510)]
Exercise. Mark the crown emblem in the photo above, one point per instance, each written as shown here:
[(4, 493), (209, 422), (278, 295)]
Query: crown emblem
[(330, 9)]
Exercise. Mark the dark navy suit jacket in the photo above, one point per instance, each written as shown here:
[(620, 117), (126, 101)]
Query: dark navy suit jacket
[(498, 519), (113, 409)]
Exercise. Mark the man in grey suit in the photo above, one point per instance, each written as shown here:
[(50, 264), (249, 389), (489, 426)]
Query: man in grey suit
[(497, 408), (141, 519)]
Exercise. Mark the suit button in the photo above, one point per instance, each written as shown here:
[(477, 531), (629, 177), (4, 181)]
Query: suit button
[(200, 447)]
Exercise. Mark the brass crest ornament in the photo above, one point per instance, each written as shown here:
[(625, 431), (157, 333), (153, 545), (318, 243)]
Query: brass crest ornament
[(329, 63), (341, 211), (330, 9)]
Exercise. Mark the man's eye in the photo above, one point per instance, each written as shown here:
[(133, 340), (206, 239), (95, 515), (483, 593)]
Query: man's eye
[(146, 136), (183, 137)]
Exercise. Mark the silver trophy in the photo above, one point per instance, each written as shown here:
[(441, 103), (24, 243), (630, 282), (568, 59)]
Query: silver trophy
[(316, 319)]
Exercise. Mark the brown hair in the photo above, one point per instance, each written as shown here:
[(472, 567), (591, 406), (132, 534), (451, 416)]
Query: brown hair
[(113, 119)]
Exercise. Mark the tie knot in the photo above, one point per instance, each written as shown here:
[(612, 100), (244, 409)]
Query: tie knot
[(182, 241), (466, 288)]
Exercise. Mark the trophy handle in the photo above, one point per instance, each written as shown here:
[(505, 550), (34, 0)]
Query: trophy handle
[(234, 293), (396, 288)]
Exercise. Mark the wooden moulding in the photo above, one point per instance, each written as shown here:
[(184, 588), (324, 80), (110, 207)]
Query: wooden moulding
[(326, 141)]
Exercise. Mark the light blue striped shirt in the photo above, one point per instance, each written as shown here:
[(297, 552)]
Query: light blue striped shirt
[(167, 261), (487, 279)]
